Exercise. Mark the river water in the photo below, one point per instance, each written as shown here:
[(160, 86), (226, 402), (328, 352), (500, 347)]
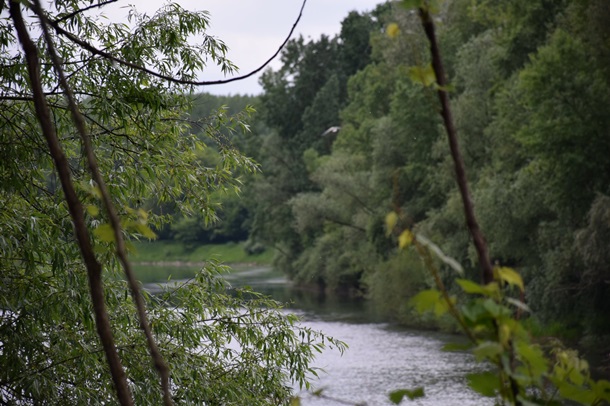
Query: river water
[(381, 357)]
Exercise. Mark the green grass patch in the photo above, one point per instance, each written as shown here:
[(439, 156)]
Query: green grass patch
[(170, 251), (156, 261)]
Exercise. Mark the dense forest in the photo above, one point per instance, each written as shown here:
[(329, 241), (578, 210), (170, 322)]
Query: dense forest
[(104, 140), (344, 136)]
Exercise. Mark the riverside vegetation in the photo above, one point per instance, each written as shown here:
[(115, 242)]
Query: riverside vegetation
[(529, 84)]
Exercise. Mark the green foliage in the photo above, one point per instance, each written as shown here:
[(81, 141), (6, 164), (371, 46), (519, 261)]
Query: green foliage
[(221, 349)]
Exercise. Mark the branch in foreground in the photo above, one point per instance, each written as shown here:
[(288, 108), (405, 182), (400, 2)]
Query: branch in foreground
[(458, 161), (94, 269), (113, 216), (172, 79)]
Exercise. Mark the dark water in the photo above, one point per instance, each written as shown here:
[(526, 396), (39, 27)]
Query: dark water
[(381, 357)]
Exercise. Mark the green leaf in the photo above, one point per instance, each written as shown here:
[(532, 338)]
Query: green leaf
[(398, 395), (511, 277), (576, 393), (92, 210), (485, 383), (426, 300), (488, 350), (412, 4), (471, 287), (533, 356), (104, 232), (423, 75), (146, 231)]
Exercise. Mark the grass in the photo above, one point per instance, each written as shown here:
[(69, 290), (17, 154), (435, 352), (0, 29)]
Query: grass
[(156, 261)]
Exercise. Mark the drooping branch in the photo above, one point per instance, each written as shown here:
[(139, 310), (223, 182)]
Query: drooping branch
[(94, 269), (458, 161), (111, 211), (109, 56)]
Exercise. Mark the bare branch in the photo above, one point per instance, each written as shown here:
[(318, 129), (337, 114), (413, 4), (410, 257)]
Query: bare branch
[(82, 10), (172, 79), (458, 161)]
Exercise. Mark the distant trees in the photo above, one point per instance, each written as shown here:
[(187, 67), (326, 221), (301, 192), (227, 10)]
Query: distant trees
[(529, 86)]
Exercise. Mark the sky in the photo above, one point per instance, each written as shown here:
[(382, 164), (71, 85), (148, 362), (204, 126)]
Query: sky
[(254, 29)]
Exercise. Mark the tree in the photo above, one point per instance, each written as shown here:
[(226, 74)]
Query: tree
[(91, 128)]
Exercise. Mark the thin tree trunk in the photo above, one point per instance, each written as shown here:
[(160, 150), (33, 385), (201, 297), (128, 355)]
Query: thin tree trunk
[(458, 161), (94, 269)]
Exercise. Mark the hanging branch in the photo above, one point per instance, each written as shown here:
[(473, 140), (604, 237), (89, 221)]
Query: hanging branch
[(458, 161), (94, 269), (109, 56), (113, 216)]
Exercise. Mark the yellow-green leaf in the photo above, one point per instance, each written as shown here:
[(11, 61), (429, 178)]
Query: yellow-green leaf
[(392, 30), (405, 239), (511, 277), (469, 286), (390, 222), (93, 210), (423, 75), (426, 300), (146, 231), (104, 232)]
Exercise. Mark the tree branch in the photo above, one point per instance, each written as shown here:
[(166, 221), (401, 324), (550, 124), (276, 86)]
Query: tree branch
[(94, 269), (113, 216), (172, 79), (458, 161)]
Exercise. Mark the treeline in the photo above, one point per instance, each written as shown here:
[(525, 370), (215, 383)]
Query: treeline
[(531, 90), (344, 136)]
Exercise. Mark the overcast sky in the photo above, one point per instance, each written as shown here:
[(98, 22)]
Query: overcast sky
[(254, 29)]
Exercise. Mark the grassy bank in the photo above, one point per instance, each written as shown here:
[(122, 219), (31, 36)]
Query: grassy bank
[(156, 261)]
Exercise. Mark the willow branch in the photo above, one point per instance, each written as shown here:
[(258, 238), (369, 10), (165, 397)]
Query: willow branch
[(168, 78), (458, 161), (94, 269), (113, 216)]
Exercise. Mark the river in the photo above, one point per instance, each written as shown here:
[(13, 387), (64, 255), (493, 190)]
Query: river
[(381, 357)]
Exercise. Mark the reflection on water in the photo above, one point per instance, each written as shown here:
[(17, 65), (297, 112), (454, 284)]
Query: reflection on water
[(381, 357)]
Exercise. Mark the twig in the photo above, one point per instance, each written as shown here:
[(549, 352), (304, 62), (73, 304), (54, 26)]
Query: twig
[(172, 79)]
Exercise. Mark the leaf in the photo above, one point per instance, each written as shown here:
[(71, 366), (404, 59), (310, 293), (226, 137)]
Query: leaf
[(580, 394), (104, 232), (425, 300), (146, 231), (485, 383), (471, 287), (392, 30), (412, 4), (93, 210), (295, 401), (397, 396), (511, 277), (488, 350), (440, 254), (519, 304), (533, 356), (424, 75), (390, 222), (405, 239)]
